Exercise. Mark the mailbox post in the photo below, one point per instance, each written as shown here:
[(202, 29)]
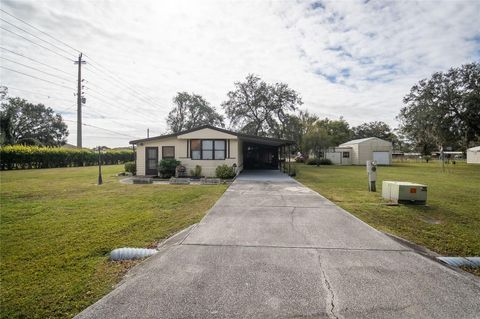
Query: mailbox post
[(372, 175)]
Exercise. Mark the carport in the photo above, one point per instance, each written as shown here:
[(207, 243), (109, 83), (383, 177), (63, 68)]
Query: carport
[(265, 153)]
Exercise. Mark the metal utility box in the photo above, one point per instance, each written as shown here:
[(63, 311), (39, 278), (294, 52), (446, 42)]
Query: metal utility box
[(404, 192)]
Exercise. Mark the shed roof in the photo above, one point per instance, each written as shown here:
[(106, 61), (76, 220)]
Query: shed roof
[(245, 137), (474, 149), (362, 140)]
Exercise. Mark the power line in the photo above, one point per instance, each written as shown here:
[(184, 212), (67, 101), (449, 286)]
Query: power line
[(101, 128), (124, 83), (102, 116), (26, 57), (38, 70), (33, 35), (140, 97), (42, 46), (36, 93), (35, 77), (125, 107), (47, 34), (130, 86)]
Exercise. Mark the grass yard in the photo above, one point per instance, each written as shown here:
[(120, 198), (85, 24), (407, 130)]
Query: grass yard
[(57, 228), (449, 225)]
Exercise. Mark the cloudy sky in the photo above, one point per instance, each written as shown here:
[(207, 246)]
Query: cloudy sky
[(355, 59)]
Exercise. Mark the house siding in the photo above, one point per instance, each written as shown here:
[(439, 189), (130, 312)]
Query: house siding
[(181, 151)]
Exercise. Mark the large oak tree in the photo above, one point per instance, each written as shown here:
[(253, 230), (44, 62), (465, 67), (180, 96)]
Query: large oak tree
[(190, 111), (26, 123), (444, 110), (259, 108)]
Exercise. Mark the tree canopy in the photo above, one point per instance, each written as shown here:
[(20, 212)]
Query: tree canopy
[(325, 133), (32, 124), (192, 110), (444, 110), (258, 108), (375, 129)]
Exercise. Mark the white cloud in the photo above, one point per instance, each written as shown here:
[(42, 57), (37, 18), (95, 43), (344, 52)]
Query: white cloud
[(346, 58)]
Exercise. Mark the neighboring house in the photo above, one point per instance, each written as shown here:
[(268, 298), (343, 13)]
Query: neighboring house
[(363, 150), (473, 155), (209, 147)]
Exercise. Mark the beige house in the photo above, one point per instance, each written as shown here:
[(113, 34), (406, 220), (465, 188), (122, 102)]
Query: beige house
[(367, 149), (209, 147)]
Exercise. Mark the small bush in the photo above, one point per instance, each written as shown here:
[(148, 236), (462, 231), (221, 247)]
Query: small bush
[(197, 172), (131, 167), (166, 167), (299, 159), (225, 172), (319, 161)]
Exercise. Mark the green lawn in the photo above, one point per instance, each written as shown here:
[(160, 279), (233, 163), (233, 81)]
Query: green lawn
[(449, 225), (57, 227)]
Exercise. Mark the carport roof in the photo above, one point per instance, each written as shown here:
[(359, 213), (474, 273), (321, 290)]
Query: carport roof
[(244, 137)]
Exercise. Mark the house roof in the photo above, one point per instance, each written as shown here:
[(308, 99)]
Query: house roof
[(361, 140), (475, 149), (245, 137)]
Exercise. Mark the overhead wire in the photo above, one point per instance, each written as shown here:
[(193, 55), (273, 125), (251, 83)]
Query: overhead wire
[(35, 77), (95, 65), (33, 68), (36, 37), (31, 59), (40, 45), (39, 30)]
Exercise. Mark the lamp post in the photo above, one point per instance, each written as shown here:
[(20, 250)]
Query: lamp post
[(100, 180)]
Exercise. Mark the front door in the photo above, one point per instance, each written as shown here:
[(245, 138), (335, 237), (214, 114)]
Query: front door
[(151, 161)]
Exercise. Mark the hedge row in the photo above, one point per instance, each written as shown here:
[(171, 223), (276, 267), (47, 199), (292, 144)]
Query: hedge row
[(22, 157)]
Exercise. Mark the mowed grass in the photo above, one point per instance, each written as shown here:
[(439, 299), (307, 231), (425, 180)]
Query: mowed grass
[(449, 225), (57, 228)]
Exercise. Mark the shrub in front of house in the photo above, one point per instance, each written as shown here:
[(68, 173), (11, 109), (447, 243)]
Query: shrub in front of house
[(130, 167), (197, 172), (166, 167), (225, 172), (319, 161)]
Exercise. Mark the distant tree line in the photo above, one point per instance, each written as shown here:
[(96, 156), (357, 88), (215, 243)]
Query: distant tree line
[(272, 110), (441, 112)]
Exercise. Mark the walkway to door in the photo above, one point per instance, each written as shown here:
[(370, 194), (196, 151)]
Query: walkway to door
[(274, 248)]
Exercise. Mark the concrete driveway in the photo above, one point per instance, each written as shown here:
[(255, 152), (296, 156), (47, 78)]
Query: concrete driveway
[(272, 248)]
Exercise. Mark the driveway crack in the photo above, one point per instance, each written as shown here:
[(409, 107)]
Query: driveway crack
[(331, 309)]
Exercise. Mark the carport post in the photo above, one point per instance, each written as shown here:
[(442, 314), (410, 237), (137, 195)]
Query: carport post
[(280, 158), (289, 159)]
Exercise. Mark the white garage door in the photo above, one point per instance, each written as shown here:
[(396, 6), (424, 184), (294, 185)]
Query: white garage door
[(382, 158)]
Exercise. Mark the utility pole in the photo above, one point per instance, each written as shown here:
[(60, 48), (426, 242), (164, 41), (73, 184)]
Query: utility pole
[(148, 133), (79, 101), (100, 180)]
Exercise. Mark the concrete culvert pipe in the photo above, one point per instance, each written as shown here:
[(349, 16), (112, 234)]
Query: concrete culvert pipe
[(461, 261), (127, 253)]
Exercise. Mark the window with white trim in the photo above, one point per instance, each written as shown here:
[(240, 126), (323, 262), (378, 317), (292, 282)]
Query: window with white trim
[(207, 149)]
